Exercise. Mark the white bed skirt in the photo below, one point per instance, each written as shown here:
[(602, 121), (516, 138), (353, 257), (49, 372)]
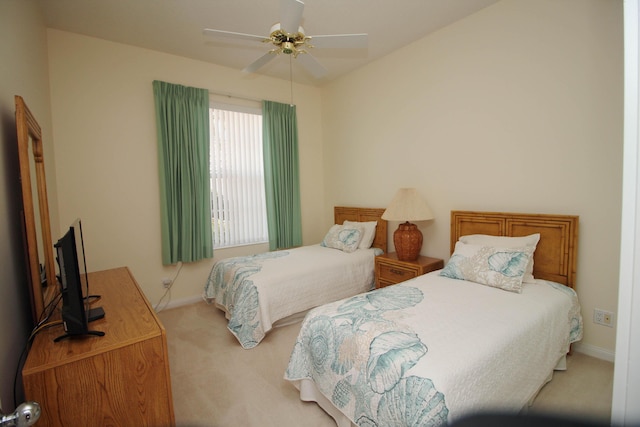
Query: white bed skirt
[(310, 393)]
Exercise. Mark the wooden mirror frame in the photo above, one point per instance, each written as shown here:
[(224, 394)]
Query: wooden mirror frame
[(30, 137)]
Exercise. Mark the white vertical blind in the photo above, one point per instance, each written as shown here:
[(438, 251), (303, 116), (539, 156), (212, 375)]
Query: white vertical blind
[(238, 207)]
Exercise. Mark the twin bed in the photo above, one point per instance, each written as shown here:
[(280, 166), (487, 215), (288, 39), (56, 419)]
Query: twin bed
[(271, 289), (484, 333), (434, 349)]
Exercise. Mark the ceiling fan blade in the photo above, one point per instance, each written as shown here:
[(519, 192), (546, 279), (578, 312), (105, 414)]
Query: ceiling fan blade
[(259, 63), (291, 15), (231, 34), (312, 65), (349, 41)]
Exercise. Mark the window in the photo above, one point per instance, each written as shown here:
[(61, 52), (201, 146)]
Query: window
[(238, 207)]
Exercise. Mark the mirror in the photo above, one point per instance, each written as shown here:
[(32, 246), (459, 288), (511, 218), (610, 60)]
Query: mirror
[(37, 228)]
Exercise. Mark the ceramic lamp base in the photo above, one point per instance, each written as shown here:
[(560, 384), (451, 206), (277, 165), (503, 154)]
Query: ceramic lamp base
[(407, 240)]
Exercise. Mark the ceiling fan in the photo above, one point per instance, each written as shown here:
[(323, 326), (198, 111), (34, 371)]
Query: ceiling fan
[(288, 37)]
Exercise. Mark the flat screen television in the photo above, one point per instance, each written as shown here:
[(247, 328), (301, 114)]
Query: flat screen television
[(74, 285)]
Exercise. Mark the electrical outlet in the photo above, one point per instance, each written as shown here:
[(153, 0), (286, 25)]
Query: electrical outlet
[(166, 282), (603, 317)]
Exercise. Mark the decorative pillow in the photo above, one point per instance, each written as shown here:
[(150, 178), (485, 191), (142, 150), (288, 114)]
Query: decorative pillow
[(506, 242), (502, 268), (342, 237), (369, 235)]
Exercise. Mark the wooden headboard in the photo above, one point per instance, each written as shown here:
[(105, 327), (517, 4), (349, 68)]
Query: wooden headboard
[(341, 213), (556, 253)]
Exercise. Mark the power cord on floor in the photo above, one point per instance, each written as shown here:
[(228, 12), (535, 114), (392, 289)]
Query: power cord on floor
[(167, 293), (43, 323)]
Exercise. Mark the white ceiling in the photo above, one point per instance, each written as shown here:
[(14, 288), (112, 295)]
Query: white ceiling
[(175, 27)]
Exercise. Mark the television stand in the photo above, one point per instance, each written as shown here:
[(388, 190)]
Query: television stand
[(92, 315), (96, 333)]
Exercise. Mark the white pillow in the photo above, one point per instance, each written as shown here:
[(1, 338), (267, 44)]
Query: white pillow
[(506, 242), (345, 238), (502, 268), (369, 228)]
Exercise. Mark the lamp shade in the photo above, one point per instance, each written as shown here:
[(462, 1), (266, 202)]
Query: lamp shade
[(407, 205)]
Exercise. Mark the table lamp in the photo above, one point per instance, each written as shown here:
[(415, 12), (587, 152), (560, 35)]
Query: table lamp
[(407, 205)]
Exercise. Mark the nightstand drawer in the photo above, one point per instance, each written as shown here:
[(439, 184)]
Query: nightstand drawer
[(390, 270), (395, 274), (383, 283)]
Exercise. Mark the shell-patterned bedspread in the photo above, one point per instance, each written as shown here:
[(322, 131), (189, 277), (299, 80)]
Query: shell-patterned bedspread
[(258, 290), (430, 350)]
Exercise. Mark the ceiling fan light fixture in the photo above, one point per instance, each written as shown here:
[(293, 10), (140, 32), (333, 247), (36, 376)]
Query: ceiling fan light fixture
[(285, 42), (288, 48)]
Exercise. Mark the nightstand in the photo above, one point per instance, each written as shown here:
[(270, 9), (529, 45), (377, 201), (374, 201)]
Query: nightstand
[(390, 270)]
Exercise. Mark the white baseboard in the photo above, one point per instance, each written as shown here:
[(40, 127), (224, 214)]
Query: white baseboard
[(593, 351)]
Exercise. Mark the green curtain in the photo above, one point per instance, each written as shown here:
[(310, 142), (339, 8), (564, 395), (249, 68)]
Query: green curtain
[(281, 174), (182, 121)]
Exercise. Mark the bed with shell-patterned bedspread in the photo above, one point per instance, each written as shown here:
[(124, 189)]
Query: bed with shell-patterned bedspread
[(474, 336), (259, 292)]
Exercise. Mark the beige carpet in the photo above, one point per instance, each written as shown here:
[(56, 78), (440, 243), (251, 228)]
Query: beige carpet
[(217, 383)]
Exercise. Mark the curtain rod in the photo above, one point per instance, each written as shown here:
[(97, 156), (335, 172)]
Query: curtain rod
[(230, 95), (245, 98)]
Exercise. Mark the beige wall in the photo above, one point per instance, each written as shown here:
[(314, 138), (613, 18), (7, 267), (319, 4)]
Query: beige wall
[(516, 108), (24, 72), (104, 128)]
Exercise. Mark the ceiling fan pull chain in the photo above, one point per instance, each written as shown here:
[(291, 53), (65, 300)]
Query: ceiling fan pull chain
[(291, 77)]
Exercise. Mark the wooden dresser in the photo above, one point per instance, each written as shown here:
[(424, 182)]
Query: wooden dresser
[(120, 379)]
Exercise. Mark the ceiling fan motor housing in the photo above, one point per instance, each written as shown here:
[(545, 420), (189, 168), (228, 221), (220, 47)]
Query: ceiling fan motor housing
[(287, 42)]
